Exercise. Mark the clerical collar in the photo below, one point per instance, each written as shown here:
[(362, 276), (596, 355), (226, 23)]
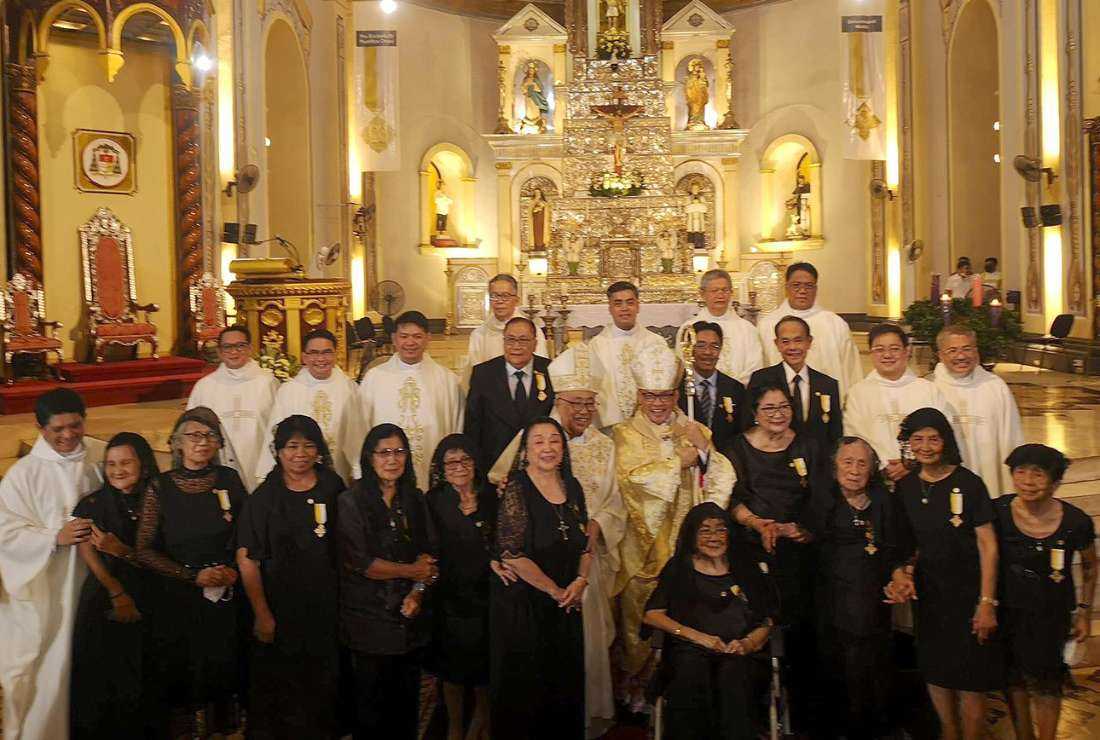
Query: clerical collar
[(43, 450), (906, 378), (706, 313), (406, 366), (617, 332), (245, 372)]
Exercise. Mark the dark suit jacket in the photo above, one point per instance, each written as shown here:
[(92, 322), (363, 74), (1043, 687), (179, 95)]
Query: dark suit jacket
[(492, 418), (723, 426), (825, 433)]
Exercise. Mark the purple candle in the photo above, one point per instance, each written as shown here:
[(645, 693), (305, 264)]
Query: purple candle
[(945, 306), (995, 313), (935, 286)]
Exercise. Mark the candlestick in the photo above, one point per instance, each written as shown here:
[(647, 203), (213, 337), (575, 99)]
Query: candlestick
[(995, 310), (976, 289)]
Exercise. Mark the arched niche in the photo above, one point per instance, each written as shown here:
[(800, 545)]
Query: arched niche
[(680, 108), (114, 56), (790, 164), (524, 107), (535, 227), (711, 189), (974, 182), (288, 179), (446, 171)]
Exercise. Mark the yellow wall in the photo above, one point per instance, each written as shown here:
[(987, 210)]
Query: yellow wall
[(76, 94)]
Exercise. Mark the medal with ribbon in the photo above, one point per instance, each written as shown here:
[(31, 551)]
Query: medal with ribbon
[(224, 503)]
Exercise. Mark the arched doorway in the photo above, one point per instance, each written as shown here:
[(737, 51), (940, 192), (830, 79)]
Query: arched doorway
[(286, 128), (974, 135)]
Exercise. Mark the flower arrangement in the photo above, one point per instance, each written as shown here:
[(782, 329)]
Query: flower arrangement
[(612, 185), (613, 44), (995, 333), (282, 366)]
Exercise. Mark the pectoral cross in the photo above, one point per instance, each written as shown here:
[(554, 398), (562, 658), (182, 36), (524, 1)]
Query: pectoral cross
[(238, 413)]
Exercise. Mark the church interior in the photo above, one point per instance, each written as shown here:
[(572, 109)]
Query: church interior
[(176, 166)]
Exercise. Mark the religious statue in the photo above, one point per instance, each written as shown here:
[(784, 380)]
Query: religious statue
[(535, 105), (798, 209), (666, 243), (697, 94), (696, 211), (573, 246), (443, 204), (538, 229), (614, 14)]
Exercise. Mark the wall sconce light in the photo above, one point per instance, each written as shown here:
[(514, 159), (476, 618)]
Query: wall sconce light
[(388, 6)]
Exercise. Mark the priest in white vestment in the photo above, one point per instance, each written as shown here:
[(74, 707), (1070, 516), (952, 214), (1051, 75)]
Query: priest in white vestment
[(877, 404), (741, 353), (616, 347), (241, 393), (41, 572), (324, 393), (987, 420), (487, 340), (414, 392), (833, 351)]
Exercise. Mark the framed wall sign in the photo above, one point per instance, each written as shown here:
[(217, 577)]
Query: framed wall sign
[(104, 162)]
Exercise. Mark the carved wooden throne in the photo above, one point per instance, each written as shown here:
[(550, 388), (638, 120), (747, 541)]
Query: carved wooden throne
[(107, 258), (23, 317), (207, 310)]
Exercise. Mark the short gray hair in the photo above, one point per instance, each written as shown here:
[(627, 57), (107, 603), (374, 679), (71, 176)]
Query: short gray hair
[(714, 275), (504, 277), (955, 330)]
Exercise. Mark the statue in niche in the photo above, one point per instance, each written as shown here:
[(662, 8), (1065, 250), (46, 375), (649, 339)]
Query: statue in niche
[(535, 105), (538, 221), (798, 209), (697, 94), (442, 203), (666, 243), (614, 14), (573, 247), (696, 211)]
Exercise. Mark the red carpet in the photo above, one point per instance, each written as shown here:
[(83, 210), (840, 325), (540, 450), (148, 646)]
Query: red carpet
[(104, 384)]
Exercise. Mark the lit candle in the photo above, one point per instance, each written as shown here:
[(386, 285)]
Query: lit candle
[(1057, 558), (945, 307), (956, 502), (976, 288), (995, 313)]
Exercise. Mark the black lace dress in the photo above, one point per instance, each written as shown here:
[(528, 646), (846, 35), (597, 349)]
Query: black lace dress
[(1037, 605), (195, 635), (537, 648)]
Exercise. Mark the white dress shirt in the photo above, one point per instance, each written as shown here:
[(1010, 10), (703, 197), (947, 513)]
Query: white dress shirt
[(804, 386), (528, 376)]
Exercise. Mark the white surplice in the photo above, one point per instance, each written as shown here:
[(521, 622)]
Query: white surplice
[(242, 399), (987, 421), (833, 351), (487, 340), (331, 403), (876, 407), (616, 348), (423, 399), (41, 583), (741, 352)]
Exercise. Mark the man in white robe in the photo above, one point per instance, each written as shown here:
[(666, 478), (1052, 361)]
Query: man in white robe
[(616, 347), (833, 352), (40, 570), (741, 350), (986, 419), (241, 393), (877, 404), (324, 393), (414, 392), (487, 340)]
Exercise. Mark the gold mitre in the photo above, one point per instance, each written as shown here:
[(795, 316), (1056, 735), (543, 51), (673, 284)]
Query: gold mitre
[(655, 370), (576, 369)]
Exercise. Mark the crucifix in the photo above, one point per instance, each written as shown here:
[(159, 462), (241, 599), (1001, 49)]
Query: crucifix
[(617, 114)]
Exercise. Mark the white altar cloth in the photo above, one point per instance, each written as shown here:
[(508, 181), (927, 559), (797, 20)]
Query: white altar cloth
[(591, 315)]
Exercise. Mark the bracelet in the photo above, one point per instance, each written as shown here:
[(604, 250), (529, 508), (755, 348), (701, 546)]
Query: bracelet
[(988, 600), (112, 597)]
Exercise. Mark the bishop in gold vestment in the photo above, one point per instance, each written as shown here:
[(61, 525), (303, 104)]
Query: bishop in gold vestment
[(665, 464)]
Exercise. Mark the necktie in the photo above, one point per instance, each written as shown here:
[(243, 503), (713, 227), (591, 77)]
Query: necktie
[(521, 391), (702, 397), (796, 400)]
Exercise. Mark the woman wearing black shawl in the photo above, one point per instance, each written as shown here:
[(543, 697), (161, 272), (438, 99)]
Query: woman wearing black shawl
[(947, 560), (717, 610), (111, 688)]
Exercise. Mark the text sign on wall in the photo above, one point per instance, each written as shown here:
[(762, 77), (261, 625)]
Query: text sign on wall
[(376, 38), (861, 24)]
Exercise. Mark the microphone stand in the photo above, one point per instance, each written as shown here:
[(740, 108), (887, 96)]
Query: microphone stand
[(288, 247)]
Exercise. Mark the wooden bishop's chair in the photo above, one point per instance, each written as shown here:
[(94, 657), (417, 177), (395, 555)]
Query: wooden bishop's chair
[(207, 310), (23, 317), (114, 315)]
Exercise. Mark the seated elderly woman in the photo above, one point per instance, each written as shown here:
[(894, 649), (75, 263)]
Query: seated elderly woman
[(718, 611), (1038, 535)]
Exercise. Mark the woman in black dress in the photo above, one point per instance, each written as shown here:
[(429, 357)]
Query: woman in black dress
[(188, 535), (777, 472), (947, 558), (717, 610), (1038, 535), (287, 555), (851, 522), (536, 671), (462, 509), (110, 684), (387, 563)]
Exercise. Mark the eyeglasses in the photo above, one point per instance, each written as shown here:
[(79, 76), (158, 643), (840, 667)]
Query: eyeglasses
[(887, 351), (956, 351), (518, 341), (391, 452), (235, 347), (704, 346), (462, 462), (320, 353), (802, 287), (200, 437), (781, 410), (718, 291), (662, 397), (501, 297), (586, 405)]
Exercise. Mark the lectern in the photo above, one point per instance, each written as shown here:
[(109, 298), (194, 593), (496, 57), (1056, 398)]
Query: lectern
[(280, 305)]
